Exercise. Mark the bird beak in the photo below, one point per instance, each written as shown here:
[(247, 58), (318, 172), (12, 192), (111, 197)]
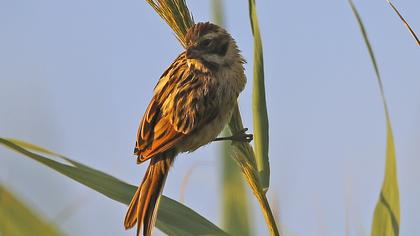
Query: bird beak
[(192, 53)]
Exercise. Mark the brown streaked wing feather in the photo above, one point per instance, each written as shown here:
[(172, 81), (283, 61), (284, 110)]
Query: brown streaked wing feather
[(165, 138), (145, 131), (155, 134), (183, 102)]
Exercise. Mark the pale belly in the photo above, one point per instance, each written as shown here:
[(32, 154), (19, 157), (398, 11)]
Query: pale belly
[(209, 132)]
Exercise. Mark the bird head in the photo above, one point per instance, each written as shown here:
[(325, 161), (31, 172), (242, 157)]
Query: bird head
[(211, 45)]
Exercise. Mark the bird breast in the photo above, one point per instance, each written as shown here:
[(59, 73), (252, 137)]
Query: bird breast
[(230, 83)]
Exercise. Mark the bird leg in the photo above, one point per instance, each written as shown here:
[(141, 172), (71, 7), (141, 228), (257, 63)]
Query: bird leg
[(240, 136)]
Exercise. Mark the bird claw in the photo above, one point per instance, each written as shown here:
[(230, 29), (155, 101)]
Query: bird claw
[(242, 136)]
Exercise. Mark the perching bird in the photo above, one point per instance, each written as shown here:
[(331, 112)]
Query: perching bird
[(192, 102)]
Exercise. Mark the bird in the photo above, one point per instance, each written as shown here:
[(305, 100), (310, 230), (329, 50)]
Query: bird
[(192, 102)]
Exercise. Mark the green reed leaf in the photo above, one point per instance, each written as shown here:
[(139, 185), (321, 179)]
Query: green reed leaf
[(386, 218), (18, 220), (173, 218), (259, 105)]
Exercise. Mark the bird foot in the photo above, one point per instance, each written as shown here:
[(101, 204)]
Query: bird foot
[(240, 136)]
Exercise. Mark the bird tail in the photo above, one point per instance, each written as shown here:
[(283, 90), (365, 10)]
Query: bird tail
[(143, 207)]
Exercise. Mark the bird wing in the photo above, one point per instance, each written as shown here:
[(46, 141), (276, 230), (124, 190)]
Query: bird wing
[(184, 101)]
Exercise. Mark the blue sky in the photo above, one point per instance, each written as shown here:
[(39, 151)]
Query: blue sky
[(76, 77)]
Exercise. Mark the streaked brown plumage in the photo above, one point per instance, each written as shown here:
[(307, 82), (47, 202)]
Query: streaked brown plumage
[(192, 102)]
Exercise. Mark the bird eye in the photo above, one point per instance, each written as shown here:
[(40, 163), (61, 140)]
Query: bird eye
[(205, 43)]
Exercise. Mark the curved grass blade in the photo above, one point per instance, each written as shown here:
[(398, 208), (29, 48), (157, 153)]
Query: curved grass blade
[(235, 202), (259, 105), (173, 217), (405, 22), (386, 218), (18, 220)]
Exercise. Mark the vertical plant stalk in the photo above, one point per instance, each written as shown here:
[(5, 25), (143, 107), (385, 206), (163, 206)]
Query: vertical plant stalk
[(175, 12), (236, 207), (259, 105), (235, 203), (386, 218), (218, 13)]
